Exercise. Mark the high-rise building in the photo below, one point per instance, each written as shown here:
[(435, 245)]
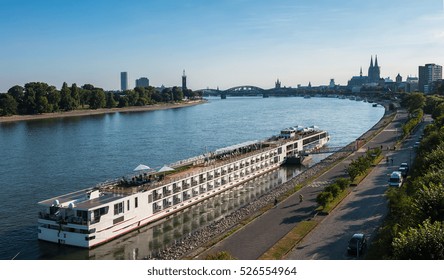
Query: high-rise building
[(123, 81), (184, 81), (143, 82), (428, 74)]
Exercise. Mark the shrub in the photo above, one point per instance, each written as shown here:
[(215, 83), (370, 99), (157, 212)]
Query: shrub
[(334, 189), (323, 198), (343, 183)]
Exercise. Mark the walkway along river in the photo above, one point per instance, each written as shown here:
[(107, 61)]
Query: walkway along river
[(52, 157)]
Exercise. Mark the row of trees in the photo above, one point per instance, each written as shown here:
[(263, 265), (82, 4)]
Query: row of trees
[(362, 163), (414, 102), (414, 228), (332, 191), (38, 98)]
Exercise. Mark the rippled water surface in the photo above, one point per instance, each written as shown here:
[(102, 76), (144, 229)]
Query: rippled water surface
[(44, 158)]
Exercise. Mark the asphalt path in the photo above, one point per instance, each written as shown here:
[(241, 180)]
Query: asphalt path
[(257, 237), (362, 211)]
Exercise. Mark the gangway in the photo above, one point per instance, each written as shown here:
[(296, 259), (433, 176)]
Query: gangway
[(328, 150)]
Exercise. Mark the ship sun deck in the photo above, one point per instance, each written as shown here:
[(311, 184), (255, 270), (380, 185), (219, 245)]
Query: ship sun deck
[(92, 216)]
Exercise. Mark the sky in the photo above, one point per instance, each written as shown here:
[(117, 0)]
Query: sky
[(219, 43)]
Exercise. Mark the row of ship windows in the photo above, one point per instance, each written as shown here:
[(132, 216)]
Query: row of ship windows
[(119, 207), (175, 188)]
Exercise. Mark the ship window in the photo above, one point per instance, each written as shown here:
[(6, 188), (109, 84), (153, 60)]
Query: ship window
[(118, 208), (82, 214), (136, 203), (88, 238)]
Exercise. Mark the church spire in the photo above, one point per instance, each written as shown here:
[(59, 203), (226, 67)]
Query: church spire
[(371, 61), (376, 61)]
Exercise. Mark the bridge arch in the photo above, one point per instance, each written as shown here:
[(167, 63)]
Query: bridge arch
[(244, 89)]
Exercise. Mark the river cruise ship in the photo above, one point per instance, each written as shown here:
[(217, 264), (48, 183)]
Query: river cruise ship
[(93, 216)]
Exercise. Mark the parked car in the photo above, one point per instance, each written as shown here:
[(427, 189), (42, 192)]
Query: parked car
[(357, 244)]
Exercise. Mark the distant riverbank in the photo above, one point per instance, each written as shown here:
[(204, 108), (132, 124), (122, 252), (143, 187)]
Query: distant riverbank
[(88, 112)]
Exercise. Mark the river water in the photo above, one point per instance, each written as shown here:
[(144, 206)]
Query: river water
[(44, 158)]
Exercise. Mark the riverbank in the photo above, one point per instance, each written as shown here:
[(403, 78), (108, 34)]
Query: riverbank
[(88, 112), (196, 244)]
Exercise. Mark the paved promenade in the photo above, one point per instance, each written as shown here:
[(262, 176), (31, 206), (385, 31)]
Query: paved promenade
[(257, 237)]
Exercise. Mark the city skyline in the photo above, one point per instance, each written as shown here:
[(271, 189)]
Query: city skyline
[(220, 44)]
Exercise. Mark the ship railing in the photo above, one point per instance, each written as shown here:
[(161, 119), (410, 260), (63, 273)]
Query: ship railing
[(167, 193), (77, 220), (46, 216), (229, 160)]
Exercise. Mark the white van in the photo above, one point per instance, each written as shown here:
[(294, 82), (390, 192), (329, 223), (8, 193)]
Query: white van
[(395, 179)]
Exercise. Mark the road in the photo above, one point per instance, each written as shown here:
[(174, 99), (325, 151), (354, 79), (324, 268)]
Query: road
[(363, 210), (254, 239)]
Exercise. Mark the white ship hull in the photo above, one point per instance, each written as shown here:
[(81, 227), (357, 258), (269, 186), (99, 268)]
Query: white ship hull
[(91, 217)]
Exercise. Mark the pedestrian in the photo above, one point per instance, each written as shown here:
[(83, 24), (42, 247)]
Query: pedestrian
[(275, 201), (392, 160), (301, 198)]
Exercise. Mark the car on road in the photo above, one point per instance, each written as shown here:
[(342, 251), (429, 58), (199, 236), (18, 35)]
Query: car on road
[(416, 145), (357, 244), (404, 169), (395, 179)]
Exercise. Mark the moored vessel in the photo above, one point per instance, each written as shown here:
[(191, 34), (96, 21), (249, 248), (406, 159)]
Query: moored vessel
[(93, 216)]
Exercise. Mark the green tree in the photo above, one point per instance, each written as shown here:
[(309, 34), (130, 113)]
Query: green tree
[(41, 98), (18, 92), (66, 101), (429, 202), (75, 95), (425, 242), (97, 99), (323, 198), (133, 97), (110, 102), (343, 183), (53, 96), (334, 189), (8, 105), (353, 171), (144, 96), (167, 95), (177, 94), (43, 105), (414, 101)]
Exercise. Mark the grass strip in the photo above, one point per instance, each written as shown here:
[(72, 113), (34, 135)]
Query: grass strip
[(287, 243)]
